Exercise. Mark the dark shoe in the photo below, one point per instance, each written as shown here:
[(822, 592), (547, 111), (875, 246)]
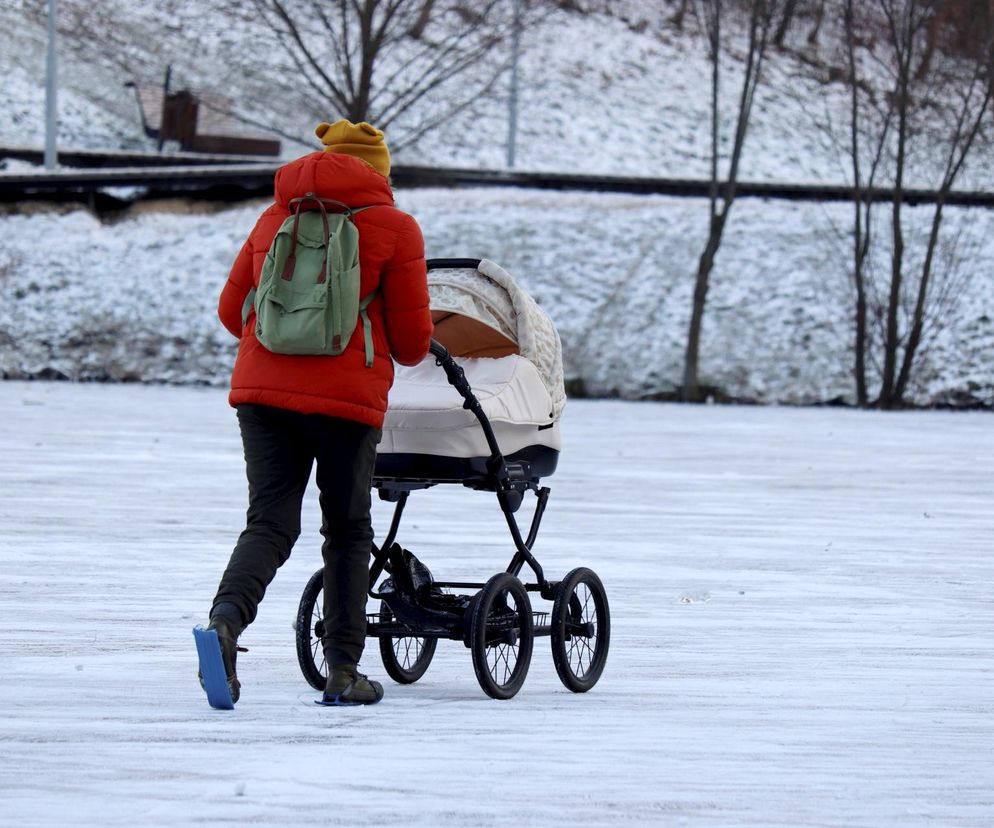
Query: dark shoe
[(227, 637), (346, 685)]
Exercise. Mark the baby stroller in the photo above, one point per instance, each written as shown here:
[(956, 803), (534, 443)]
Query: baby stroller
[(488, 420)]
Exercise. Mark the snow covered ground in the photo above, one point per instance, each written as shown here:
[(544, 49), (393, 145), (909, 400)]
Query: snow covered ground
[(801, 607)]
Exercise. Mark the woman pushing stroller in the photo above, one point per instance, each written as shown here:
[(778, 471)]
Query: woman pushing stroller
[(299, 406)]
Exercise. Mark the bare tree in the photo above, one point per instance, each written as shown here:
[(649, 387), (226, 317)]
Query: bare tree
[(862, 204), (378, 60), (404, 64), (789, 10), (722, 195), (819, 18), (943, 109), (814, 8)]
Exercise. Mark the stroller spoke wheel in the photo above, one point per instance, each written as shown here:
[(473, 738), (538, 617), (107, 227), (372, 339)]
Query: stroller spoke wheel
[(310, 629), (581, 629), (406, 658), (501, 636)]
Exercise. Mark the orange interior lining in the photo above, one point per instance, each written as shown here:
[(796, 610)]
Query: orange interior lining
[(467, 337)]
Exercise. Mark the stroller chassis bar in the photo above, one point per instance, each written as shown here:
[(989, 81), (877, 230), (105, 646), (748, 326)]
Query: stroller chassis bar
[(509, 480)]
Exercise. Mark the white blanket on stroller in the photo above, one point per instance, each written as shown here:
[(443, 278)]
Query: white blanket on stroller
[(426, 414)]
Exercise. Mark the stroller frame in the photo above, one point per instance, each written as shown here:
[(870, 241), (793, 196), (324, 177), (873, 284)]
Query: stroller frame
[(496, 622), (508, 479)]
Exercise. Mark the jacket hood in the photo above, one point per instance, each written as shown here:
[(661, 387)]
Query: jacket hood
[(332, 175)]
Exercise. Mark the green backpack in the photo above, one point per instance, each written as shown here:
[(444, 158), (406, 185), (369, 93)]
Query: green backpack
[(308, 299)]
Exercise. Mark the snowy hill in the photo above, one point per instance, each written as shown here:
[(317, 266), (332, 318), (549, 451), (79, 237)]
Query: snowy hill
[(619, 93), (615, 272), (777, 328)]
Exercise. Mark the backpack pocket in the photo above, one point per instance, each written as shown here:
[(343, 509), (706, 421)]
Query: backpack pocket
[(290, 322)]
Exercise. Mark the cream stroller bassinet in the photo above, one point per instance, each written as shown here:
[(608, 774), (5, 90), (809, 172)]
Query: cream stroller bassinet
[(481, 410)]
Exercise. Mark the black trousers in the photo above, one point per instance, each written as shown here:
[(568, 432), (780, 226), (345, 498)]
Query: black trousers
[(280, 448)]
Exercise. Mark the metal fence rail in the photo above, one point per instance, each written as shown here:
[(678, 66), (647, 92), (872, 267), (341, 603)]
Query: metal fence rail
[(231, 178)]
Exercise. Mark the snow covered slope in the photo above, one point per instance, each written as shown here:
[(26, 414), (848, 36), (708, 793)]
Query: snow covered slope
[(136, 299), (624, 93), (615, 272)]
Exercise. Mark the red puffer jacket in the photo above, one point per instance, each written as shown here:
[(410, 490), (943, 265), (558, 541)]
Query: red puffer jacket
[(391, 258)]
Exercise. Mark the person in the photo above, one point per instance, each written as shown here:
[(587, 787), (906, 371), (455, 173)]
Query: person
[(295, 411)]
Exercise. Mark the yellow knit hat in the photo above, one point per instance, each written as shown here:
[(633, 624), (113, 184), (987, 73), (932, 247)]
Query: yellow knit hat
[(361, 140)]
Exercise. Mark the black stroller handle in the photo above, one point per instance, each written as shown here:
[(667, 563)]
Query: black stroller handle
[(507, 477), (453, 264), (438, 350), (457, 379)]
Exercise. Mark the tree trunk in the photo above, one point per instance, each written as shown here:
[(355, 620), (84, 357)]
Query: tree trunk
[(918, 319), (359, 109), (691, 392), (859, 368), (816, 28), (860, 246), (887, 396), (759, 23), (903, 34), (424, 18), (790, 7)]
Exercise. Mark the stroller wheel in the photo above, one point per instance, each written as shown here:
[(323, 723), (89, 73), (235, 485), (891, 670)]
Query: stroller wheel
[(581, 629), (501, 636), (405, 659), (310, 629)]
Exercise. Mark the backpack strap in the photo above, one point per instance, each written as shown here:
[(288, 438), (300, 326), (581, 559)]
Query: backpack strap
[(295, 205), (247, 306), (367, 328)]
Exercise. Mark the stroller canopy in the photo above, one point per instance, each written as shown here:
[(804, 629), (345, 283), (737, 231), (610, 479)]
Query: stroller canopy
[(481, 312)]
